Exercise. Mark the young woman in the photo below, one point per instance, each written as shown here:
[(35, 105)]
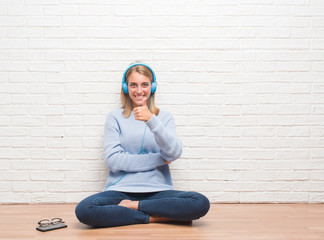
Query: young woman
[(140, 142)]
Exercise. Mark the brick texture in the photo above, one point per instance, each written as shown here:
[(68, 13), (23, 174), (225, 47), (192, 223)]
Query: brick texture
[(243, 78)]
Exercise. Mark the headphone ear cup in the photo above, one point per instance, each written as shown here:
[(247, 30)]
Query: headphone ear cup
[(153, 87), (125, 87)]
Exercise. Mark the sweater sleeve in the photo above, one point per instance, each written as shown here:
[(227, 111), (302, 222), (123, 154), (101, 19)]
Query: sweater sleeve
[(166, 137), (117, 159)]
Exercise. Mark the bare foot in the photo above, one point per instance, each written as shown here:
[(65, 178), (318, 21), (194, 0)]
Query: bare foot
[(155, 219), (129, 204)]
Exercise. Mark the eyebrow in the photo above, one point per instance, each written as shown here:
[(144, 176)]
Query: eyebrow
[(136, 83)]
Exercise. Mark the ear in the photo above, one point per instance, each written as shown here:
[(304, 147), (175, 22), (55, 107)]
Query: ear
[(153, 87), (125, 87)]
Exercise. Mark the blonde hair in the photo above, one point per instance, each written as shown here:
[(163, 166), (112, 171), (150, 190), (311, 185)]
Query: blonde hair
[(125, 99)]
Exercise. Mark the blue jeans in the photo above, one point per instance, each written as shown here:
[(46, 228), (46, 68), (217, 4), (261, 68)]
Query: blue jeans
[(102, 210)]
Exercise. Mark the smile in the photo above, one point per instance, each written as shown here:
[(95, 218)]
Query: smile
[(139, 97)]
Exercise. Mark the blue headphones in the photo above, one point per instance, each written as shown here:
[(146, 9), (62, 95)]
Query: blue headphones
[(124, 83)]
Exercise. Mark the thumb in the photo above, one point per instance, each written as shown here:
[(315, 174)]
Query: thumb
[(144, 102)]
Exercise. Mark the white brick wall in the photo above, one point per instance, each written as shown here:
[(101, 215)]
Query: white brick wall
[(243, 78)]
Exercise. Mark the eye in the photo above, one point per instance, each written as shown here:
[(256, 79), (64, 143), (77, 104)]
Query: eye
[(145, 84), (132, 84)]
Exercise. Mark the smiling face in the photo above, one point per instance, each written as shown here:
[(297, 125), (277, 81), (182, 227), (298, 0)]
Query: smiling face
[(139, 87)]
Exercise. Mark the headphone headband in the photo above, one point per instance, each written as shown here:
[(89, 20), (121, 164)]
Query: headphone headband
[(124, 83)]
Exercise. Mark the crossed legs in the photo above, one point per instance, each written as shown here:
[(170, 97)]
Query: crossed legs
[(113, 208), (134, 205)]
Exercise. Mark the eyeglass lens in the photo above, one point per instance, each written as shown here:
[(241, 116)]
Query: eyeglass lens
[(56, 220), (46, 222)]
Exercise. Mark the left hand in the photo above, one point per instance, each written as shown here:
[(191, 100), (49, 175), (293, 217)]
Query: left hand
[(142, 113)]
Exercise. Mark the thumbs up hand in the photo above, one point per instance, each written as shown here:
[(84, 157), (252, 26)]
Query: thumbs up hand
[(142, 113)]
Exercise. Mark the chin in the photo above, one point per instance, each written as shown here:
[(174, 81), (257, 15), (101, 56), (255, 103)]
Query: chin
[(136, 104)]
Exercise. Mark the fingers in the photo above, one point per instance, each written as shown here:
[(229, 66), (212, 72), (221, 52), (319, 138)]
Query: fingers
[(142, 113), (138, 113), (166, 162), (140, 118)]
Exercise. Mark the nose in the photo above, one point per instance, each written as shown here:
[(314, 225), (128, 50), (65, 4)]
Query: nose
[(139, 89)]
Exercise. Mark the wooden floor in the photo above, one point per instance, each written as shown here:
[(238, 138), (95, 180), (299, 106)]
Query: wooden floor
[(224, 221)]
